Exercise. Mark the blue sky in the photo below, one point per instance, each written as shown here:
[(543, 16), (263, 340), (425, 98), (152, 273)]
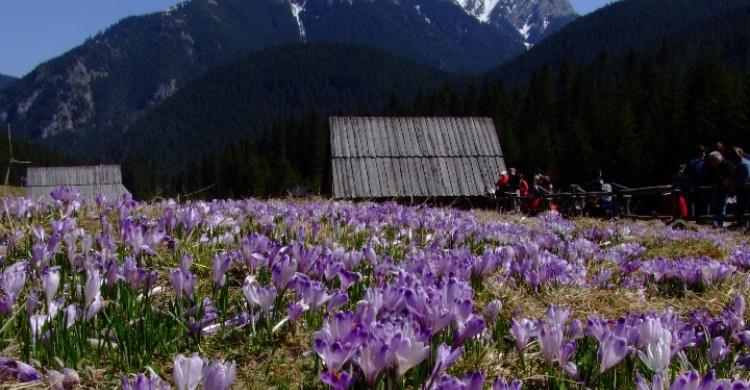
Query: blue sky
[(33, 31)]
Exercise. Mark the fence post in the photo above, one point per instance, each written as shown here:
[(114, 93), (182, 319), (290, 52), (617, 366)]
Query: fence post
[(675, 202)]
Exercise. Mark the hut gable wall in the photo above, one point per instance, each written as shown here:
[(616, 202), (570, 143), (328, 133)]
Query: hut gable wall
[(90, 181), (415, 156)]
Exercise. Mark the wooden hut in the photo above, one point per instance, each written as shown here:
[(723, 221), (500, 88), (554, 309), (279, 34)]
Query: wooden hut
[(90, 181), (385, 157)]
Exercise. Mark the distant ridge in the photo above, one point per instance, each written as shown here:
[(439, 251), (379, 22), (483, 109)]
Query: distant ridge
[(246, 97), (6, 80), (615, 29)]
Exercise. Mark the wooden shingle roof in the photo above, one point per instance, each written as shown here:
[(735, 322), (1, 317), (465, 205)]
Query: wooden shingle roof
[(416, 156), (90, 181)]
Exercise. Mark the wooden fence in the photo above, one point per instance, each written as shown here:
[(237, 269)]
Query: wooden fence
[(622, 201)]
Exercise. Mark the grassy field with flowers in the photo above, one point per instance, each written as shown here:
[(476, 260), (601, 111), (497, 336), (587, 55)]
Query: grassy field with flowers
[(322, 294)]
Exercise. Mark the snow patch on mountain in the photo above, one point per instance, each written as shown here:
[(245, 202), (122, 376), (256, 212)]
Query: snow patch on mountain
[(480, 9), (297, 9), (525, 31)]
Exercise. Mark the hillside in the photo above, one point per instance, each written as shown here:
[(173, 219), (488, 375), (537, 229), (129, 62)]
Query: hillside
[(6, 80), (244, 98), (615, 29)]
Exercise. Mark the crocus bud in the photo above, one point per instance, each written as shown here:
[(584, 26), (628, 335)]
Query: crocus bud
[(493, 310)]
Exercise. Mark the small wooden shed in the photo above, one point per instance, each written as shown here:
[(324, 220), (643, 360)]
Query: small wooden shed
[(90, 181), (377, 157)]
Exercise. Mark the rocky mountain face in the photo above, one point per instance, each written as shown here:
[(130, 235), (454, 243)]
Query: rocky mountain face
[(533, 19), (100, 88), (103, 85)]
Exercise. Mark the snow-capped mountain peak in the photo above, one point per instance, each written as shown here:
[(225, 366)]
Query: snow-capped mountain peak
[(533, 19), (481, 9)]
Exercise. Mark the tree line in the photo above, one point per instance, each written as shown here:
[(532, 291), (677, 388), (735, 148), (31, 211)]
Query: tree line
[(637, 119)]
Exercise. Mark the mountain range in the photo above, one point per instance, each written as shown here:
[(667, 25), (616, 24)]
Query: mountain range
[(186, 86), (102, 87)]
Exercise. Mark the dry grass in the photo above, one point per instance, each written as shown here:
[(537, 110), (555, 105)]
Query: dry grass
[(683, 249), (610, 303), (11, 191)]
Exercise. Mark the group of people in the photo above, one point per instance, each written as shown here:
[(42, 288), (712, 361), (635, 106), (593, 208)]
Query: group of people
[(512, 191), (717, 183)]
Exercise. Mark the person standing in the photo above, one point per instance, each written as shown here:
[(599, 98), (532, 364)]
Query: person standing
[(720, 172), (738, 185), (513, 190), (693, 177), (502, 182)]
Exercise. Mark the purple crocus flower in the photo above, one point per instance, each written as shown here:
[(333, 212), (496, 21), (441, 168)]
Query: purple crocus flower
[(338, 380), (219, 376), (718, 350), (188, 371), (443, 360), (94, 308), (68, 379), (501, 384), (612, 349), (557, 315), (372, 359), (657, 382), (50, 282), (550, 339), (36, 323), (283, 272), (650, 331), (687, 381), (337, 300), (153, 382), (575, 330), (313, 293), (521, 330), (12, 282), (348, 279), (335, 354), (470, 329), (92, 287), (409, 351), (219, 266), (295, 310), (71, 315), (658, 353), (183, 282), (32, 301), (257, 295), (493, 310), (136, 277), (190, 219), (19, 370)]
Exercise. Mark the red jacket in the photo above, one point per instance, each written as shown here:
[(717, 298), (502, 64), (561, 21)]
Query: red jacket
[(502, 182), (524, 189)]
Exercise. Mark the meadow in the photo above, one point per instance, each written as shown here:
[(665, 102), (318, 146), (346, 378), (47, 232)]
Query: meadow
[(325, 294)]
